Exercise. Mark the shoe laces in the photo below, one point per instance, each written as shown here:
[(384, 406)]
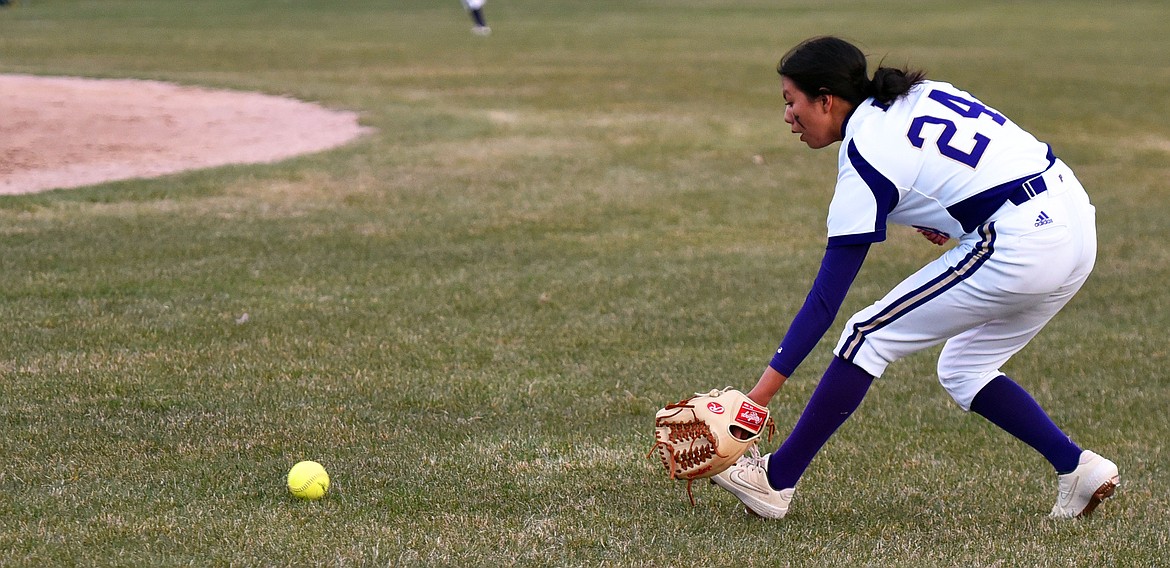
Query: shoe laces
[(753, 460)]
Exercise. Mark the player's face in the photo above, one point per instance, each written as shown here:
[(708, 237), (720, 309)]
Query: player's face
[(810, 117)]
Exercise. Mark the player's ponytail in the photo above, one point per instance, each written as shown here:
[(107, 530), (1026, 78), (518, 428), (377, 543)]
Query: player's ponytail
[(832, 66), (888, 83)]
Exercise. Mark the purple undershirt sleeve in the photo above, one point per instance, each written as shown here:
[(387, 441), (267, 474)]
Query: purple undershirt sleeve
[(838, 270)]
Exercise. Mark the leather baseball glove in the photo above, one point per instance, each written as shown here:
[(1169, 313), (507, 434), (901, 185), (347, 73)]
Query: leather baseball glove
[(705, 434)]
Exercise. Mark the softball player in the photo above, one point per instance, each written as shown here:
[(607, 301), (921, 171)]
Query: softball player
[(928, 155), (475, 10)]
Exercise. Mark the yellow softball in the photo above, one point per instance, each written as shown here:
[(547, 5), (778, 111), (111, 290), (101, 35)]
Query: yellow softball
[(308, 480)]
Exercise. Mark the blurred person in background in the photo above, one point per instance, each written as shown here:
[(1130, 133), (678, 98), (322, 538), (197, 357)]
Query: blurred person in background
[(475, 10)]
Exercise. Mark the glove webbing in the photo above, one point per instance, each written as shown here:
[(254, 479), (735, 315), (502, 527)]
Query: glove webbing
[(682, 432), (684, 459)]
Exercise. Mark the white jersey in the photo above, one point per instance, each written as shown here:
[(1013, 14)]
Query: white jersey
[(936, 159)]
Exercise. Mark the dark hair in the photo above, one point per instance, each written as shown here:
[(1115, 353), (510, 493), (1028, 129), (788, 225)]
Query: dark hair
[(829, 65)]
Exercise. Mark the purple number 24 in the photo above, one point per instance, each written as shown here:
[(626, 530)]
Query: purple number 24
[(965, 108)]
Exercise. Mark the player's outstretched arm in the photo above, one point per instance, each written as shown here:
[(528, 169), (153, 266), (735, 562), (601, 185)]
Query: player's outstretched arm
[(767, 387), (838, 270)]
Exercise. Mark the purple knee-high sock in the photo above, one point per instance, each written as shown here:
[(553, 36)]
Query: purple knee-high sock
[(836, 397), (1009, 406)]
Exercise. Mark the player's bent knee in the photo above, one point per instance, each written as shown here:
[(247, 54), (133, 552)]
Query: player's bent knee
[(964, 385)]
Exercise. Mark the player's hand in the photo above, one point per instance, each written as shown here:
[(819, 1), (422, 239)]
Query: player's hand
[(935, 237)]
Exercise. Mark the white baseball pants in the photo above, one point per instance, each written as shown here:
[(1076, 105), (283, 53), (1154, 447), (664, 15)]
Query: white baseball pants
[(988, 296)]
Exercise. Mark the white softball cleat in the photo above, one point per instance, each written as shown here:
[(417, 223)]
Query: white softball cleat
[(1093, 481), (748, 481)]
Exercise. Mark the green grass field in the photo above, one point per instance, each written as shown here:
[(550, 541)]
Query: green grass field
[(470, 316)]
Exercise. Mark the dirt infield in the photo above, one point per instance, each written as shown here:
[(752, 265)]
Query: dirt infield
[(62, 132)]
